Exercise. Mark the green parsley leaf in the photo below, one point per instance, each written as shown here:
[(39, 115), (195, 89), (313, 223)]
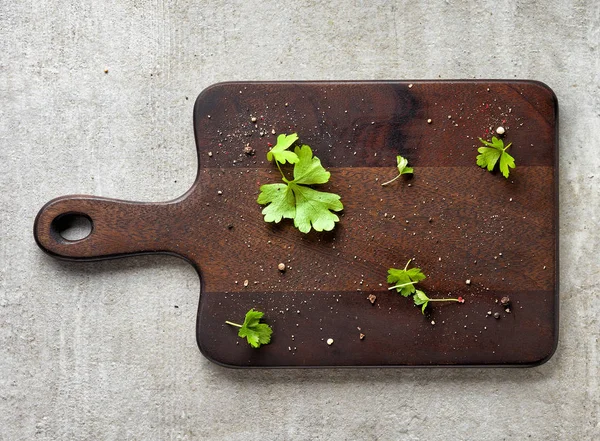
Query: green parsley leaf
[(294, 200), (402, 165), (492, 152), (309, 170), (280, 150), (281, 200), (402, 169), (404, 279), (256, 333), (420, 298), (313, 208)]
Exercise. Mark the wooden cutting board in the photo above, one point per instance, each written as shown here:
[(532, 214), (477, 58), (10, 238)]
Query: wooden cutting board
[(458, 221)]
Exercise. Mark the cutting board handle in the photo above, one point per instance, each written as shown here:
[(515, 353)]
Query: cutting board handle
[(118, 227)]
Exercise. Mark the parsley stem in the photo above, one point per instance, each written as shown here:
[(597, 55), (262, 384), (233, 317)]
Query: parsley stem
[(233, 324), (400, 286), (390, 181), (282, 175), (444, 300)]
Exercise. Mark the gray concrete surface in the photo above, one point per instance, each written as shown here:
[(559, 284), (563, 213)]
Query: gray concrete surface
[(98, 351)]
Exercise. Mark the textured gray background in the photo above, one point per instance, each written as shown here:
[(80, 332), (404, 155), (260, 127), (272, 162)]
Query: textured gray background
[(98, 351)]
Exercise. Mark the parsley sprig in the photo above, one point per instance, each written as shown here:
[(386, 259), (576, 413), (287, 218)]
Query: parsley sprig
[(293, 199), (402, 165), (256, 333), (404, 281), (491, 152)]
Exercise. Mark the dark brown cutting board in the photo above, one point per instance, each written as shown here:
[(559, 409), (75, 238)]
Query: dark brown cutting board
[(458, 221)]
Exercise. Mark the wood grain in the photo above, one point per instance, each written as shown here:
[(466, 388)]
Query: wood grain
[(456, 220)]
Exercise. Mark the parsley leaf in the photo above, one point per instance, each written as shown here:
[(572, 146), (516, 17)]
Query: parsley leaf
[(402, 169), (294, 200), (280, 150), (313, 208), (420, 298), (256, 333), (404, 279), (281, 200), (309, 170), (492, 152)]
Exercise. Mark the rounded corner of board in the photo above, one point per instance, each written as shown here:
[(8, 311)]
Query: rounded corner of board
[(204, 93), (545, 90), (213, 358), (545, 357)]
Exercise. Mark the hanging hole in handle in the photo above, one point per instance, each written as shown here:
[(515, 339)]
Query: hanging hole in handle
[(71, 227)]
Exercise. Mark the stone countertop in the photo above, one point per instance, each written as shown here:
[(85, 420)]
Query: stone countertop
[(97, 99)]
